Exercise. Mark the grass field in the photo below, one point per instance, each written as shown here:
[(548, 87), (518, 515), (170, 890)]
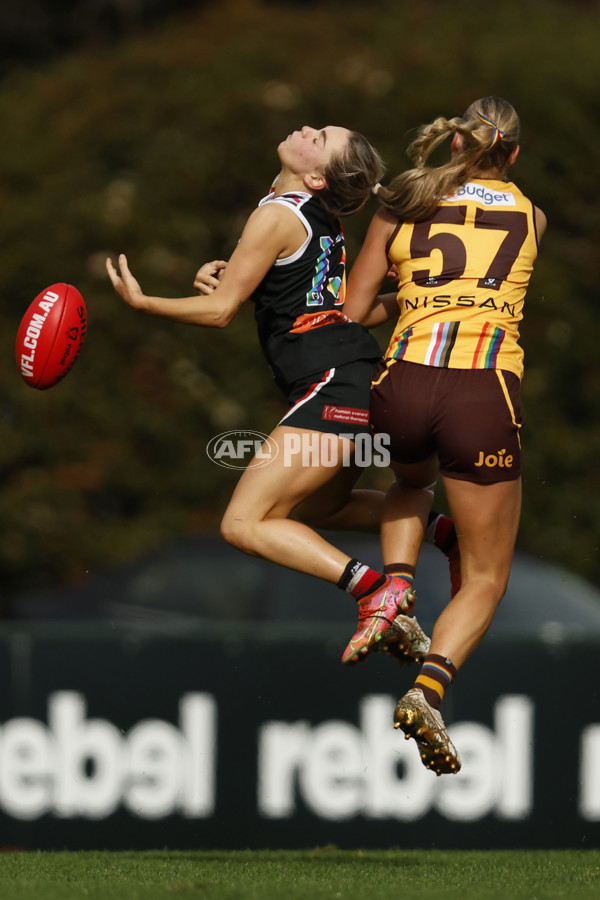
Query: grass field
[(319, 875)]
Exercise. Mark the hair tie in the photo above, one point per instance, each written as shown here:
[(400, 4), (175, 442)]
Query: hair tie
[(498, 133), (375, 189)]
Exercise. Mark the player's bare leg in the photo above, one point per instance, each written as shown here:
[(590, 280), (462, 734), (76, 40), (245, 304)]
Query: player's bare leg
[(486, 518), (404, 522), (257, 521), (257, 517), (339, 506)]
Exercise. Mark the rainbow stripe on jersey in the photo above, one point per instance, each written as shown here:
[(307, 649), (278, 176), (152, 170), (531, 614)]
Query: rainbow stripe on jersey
[(485, 343), (488, 347)]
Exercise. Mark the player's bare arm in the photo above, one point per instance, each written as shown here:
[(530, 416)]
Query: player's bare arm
[(270, 233), (384, 308), (367, 274), (540, 222)]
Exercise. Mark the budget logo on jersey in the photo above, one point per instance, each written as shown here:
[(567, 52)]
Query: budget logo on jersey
[(482, 194)]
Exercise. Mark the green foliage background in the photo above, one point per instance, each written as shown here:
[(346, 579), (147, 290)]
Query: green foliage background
[(160, 145)]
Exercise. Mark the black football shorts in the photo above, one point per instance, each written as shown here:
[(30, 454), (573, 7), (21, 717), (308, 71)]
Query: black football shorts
[(334, 401)]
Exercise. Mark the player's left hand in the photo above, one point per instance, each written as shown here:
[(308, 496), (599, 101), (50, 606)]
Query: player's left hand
[(124, 283), (208, 276)]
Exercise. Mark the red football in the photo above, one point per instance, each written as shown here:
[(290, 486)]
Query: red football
[(50, 335)]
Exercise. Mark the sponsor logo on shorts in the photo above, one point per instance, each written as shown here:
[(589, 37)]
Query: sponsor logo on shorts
[(348, 414), (490, 460)]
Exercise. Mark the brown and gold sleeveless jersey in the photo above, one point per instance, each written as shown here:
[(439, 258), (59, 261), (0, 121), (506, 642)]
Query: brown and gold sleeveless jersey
[(463, 275)]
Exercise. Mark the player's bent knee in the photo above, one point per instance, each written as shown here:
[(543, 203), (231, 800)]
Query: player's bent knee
[(491, 588), (237, 532)]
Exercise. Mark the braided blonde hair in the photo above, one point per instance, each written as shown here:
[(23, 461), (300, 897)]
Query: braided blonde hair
[(489, 130)]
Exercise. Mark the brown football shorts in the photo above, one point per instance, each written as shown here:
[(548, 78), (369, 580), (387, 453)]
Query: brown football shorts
[(470, 418)]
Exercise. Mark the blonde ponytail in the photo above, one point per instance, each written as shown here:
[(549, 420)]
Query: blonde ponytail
[(489, 132)]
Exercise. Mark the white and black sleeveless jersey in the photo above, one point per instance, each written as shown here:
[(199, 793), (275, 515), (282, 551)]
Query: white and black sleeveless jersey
[(299, 303)]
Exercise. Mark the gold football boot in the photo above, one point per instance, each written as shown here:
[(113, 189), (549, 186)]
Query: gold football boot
[(405, 641), (419, 720)]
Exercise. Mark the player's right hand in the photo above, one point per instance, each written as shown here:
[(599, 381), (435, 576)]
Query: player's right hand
[(393, 274), (124, 283)]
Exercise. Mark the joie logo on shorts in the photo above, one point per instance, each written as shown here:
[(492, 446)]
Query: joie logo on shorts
[(491, 460), (235, 449)]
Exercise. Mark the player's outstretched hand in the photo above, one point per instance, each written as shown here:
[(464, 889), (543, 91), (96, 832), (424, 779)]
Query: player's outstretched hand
[(124, 283), (208, 276)]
